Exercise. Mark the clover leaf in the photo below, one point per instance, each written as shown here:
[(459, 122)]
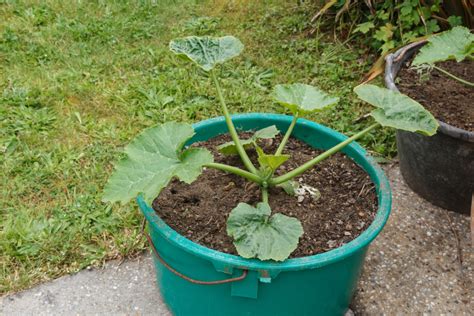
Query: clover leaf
[(299, 97), (397, 110), (257, 234), (153, 158), (207, 51)]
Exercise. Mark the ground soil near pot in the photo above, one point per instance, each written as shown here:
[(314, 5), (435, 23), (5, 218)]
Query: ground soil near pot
[(347, 205), (449, 100)]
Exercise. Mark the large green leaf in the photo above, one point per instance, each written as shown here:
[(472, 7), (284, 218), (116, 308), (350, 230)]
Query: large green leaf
[(153, 158), (456, 43), (299, 97), (229, 148), (207, 51), (397, 110), (256, 234)]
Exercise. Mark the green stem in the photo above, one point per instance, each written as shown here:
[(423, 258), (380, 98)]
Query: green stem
[(264, 194), (296, 172), (453, 76), (235, 170), (233, 133), (287, 135)]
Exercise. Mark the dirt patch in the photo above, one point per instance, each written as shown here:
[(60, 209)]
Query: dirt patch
[(447, 99), (347, 205)]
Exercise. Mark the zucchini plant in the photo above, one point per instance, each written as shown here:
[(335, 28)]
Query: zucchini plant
[(159, 153), (455, 44)]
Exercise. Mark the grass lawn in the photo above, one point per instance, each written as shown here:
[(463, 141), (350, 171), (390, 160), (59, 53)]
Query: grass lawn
[(79, 79)]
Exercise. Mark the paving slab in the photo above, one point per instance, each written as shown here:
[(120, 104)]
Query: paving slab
[(120, 288), (422, 262)]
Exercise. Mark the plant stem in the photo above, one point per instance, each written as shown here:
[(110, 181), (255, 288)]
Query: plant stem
[(240, 172), (233, 133), (264, 194), (453, 76), (296, 172), (287, 135)]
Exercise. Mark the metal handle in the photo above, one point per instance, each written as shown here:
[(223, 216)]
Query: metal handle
[(171, 269)]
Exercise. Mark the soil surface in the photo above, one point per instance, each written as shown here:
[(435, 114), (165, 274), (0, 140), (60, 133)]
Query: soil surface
[(447, 99), (347, 205)]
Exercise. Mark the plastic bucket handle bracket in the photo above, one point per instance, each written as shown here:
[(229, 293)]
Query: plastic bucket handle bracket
[(249, 286)]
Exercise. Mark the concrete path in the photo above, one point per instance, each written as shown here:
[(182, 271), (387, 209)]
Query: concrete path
[(118, 289), (421, 263)]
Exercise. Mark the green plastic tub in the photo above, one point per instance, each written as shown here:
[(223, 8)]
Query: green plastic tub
[(322, 284)]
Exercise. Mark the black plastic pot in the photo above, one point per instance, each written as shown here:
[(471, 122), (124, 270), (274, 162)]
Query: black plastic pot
[(440, 168)]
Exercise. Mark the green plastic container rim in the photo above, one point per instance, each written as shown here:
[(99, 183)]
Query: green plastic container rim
[(373, 169)]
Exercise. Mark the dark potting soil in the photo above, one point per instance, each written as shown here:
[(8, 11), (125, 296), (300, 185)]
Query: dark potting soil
[(347, 205), (447, 99)]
